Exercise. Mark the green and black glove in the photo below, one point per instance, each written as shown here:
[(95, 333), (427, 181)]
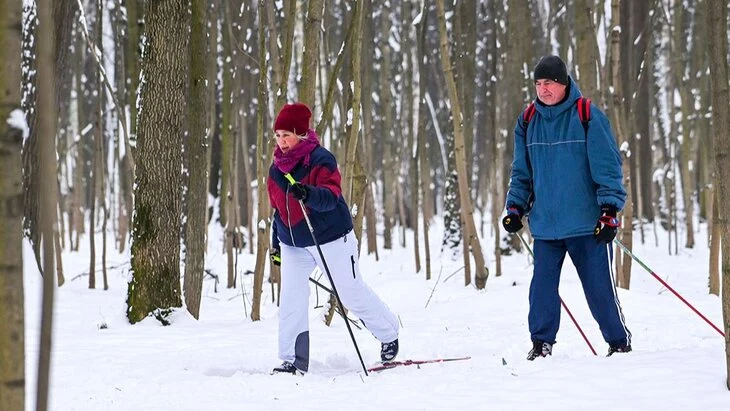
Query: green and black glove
[(275, 256)]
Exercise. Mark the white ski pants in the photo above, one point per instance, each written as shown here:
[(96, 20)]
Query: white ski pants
[(342, 260)]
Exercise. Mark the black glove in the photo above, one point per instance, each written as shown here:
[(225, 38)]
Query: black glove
[(275, 256), (512, 222), (607, 225), (300, 191)]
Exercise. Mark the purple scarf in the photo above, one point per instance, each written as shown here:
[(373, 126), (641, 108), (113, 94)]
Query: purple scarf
[(287, 161)]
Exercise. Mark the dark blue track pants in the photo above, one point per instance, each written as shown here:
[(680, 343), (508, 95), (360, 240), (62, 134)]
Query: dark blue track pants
[(593, 262)]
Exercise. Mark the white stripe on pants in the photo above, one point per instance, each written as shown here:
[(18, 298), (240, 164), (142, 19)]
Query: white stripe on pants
[(342, 260)]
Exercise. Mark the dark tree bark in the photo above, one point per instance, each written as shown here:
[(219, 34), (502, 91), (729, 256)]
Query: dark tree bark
[(155, 285), (196, 149)]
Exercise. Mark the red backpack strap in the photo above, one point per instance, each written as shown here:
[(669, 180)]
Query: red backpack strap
[(527, 115), (584, 111)]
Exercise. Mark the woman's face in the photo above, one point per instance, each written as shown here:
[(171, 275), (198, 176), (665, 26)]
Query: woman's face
[(550, 92), (286, 140)]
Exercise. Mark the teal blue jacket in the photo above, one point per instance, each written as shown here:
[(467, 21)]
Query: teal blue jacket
[(561, 174)]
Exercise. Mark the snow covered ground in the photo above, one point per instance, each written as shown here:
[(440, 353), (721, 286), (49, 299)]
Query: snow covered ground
[(222, 362)]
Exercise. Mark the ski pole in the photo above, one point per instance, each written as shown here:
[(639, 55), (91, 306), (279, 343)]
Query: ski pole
[(292, 181), (324, 287), (664, 283), (561, 301)]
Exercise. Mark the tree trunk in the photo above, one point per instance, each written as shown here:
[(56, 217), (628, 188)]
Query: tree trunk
[(30, 144), (687, 139), (226, 153), (715, 242), (718, 48), (589, 63), (132, 59), (423, 171), (353, 138), (515, 90), (619, 123), (465, 41), (155, 285), (312, 27), (12, 310), (492, 163), (387, 134), (96, 157), (198, 162), (636, 24), (470, 233), (47, 194), (263, 148)]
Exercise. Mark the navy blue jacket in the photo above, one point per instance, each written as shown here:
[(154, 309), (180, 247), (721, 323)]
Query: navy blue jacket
[(561, 175), (325, 205)]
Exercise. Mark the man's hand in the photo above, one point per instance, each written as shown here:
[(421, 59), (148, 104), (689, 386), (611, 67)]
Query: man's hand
[(607, 225), (512, 222)]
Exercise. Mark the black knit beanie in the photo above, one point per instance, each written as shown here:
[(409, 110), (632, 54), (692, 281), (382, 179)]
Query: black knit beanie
[(552, 68)]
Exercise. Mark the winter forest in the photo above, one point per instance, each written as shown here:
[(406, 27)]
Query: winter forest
[(144, 128)]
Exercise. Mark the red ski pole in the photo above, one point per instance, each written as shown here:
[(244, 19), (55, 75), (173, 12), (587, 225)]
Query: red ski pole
[(561, 301), (664, 283)]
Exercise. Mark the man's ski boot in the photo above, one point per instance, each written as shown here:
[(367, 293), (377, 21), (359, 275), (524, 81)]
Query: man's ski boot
[(618, 348), (540, 349)]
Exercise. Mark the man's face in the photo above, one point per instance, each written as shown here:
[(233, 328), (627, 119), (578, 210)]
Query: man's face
[(550, 92)]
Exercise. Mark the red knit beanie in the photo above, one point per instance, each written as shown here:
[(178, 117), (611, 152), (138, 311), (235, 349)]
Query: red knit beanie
[(295, 118)]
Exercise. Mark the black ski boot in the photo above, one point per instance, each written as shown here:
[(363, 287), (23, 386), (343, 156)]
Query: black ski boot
[(388, 351), (539, 349), (618, 348), (287, 368)]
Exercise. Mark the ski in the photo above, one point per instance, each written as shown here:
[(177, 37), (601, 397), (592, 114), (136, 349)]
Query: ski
[(392, 364)]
